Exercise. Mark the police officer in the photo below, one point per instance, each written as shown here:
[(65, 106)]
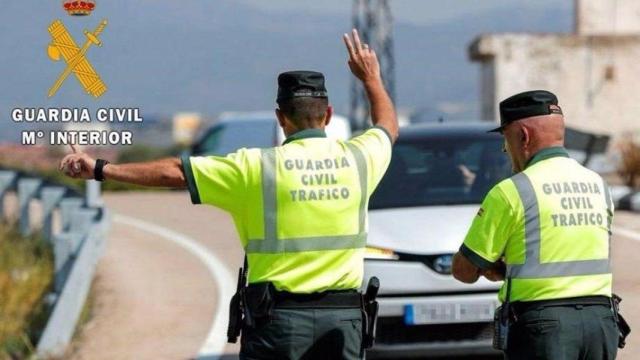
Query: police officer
[(300, 210), (548, 229)]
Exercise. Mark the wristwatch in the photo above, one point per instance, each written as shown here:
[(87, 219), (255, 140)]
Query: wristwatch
[(97, 170)]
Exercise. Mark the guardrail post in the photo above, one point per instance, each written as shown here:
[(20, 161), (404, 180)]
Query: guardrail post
[(105, 222), (64, 246), (64, 317), (92, 193), (67, 244), (51, 196), (7, 179), (67, 207), (27, 190), (81, 220)]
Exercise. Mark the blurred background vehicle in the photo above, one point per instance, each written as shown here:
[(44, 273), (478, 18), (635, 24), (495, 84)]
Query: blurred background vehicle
[(438, 176), (253, 129)]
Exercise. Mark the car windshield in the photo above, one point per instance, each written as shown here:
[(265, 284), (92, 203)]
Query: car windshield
[(228, 137), (441, 172)]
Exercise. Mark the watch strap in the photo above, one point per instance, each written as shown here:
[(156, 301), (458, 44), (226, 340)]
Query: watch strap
[(97, 171)]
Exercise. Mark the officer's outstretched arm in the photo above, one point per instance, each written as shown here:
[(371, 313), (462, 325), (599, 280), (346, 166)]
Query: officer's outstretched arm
[(164, 172), (363, 63), (464, 270)]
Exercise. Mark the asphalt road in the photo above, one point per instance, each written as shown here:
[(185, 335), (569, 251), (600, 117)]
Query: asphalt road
[(157, 292)]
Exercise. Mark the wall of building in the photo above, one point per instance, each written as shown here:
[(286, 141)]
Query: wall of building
[(606, 17), (594, 77)]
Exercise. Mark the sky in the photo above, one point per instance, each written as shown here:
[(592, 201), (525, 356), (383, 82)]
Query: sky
[(416, 12), (207, 56)]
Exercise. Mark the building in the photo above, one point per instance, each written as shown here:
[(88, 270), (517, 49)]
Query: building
[(592, 70)]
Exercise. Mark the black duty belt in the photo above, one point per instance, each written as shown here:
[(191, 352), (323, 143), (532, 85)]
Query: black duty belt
[(324, 300), (522, 306)]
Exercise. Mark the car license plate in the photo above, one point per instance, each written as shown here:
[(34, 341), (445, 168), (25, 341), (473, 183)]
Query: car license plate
[(440, 313)]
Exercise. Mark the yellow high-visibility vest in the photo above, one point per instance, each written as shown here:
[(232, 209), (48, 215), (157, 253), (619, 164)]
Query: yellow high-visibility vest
[(551, 223), (300, 209)]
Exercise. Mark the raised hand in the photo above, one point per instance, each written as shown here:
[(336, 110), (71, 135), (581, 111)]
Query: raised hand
[(78, 165), (364, 64), (363, 61)]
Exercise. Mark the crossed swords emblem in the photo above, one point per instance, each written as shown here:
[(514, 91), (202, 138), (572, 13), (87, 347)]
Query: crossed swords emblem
[(63, 44)]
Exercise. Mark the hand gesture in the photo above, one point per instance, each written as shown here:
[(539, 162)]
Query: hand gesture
[(363, 61), (78, 165)]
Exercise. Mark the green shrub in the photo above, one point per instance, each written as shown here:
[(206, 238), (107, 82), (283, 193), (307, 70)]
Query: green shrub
[(629, 169), (26, 276)]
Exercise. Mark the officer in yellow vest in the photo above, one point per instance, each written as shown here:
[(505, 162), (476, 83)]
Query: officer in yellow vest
[(548, 229), (300, 210)]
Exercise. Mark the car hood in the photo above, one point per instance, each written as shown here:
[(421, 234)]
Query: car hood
[(421, 230)]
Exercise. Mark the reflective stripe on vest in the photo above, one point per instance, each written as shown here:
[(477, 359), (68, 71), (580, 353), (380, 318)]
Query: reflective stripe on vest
[(533, 268), (272, 245)]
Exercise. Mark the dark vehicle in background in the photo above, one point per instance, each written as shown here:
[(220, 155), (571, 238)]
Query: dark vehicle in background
[(419, 215)]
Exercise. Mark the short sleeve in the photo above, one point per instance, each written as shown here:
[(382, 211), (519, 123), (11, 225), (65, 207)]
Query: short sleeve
[(217, 180), (375, 145), (487, 238)]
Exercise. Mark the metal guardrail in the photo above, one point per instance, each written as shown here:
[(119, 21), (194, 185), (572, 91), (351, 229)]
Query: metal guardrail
[(77, 247)]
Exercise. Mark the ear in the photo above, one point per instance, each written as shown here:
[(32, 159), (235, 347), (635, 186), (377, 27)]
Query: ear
[(525, 137), (281, 118), (327, 115)]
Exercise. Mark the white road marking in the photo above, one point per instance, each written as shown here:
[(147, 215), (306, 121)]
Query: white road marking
[(215, 342), (629, 234)]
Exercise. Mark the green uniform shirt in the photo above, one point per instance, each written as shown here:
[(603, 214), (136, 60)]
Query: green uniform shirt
[(300, 208), (551, 225)]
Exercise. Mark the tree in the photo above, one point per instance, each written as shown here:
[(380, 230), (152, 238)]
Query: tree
[(629, 168)]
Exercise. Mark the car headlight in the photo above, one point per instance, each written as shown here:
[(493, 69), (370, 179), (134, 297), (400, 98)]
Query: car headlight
[(371, 252), (442, 264)]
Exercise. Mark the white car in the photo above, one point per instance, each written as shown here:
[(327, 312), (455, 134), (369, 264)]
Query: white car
[(418, 217)]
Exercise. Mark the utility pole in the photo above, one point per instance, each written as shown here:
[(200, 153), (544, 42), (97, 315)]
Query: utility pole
[(373, 20)]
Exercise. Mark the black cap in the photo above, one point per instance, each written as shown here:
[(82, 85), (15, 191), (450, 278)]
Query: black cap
[(301, 84), (527, 104)]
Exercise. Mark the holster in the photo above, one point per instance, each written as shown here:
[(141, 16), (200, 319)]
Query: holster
[(623, 326), (502, 321), (258, 303), (370, 313), (236, 311), (501, 324)]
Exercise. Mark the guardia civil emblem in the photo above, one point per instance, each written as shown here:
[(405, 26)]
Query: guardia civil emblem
[(63, 46), (79, 8)]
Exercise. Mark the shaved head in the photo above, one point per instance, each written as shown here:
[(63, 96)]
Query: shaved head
[(545, 131), (525, 137)]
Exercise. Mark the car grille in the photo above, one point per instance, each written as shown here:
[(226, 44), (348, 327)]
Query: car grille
[(393, 330)]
